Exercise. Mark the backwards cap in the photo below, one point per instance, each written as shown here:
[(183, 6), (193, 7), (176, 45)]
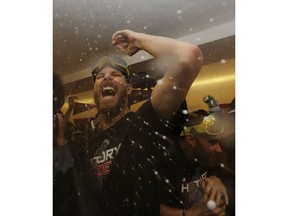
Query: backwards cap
[(113, 61)]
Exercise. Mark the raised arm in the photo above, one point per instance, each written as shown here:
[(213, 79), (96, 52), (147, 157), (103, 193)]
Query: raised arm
[(70, 100), (183, 61)]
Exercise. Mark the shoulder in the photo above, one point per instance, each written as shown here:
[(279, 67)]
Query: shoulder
[(149, 115), (145, 108)]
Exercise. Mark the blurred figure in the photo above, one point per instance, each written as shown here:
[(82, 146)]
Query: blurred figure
[(79, 138), (62, 128), (70, 99), (68, 130), (68, 124), (78, 135), (190, 182), (226, 161), (228, 142), (73, 194), (58, 117)]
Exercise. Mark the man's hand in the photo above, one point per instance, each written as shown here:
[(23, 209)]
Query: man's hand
[(200, 208), (126, 41), (215, 190), (71, 99)]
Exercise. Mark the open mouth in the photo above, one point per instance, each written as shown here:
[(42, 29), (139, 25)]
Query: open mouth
[(108, 91)]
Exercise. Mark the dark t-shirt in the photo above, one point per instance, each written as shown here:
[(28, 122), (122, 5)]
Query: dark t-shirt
[(184, 186), (129, 159), (75, 189)]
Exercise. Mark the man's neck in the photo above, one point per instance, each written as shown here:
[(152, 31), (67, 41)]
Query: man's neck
[(107, 121)]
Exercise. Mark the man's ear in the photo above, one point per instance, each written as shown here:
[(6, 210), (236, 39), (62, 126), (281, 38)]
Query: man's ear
[(191, 140), (129, 89)]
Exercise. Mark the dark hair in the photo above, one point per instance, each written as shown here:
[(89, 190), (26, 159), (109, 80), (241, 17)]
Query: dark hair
[(58, 93)]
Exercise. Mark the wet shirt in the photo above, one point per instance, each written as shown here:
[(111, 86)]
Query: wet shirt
[(182, 187), (128, 159)]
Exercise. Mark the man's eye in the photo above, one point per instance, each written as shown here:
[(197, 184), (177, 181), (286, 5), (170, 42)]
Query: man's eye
[(99, 76), (117, 75)]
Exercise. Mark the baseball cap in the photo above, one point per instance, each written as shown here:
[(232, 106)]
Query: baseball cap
[(115, 62)]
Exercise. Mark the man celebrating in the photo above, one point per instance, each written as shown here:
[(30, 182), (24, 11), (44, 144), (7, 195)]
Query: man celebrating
[(126, 151), (191, 169)]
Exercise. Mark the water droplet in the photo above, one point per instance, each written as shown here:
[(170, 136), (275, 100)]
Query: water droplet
[(159, 82)]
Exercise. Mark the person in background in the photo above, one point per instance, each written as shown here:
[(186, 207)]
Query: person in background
[(79, 137), (70, 99), (226, 170), (62, 127), (191, 179), (73, 195), (58, 117), (68, 124), (228, 143), (126, 152)]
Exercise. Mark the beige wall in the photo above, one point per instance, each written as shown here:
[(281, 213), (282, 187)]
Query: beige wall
[(217, 79)]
